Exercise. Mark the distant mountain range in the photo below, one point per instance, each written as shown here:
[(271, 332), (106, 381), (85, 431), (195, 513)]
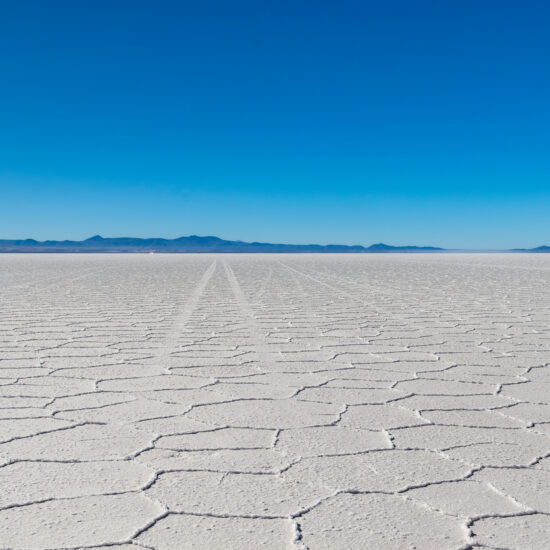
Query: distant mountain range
[(197, 244), (190, 244), (538, 249)]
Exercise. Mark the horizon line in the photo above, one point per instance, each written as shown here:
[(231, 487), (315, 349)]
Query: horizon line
[(147, 244)]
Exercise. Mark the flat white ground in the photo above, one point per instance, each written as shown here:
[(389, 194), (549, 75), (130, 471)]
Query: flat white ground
[(275, 402)]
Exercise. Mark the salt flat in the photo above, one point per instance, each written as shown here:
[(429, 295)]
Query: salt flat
[(278, 402)]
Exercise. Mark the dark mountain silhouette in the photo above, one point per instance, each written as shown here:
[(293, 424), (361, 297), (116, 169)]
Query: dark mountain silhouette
[(190, 244), (197, 244)]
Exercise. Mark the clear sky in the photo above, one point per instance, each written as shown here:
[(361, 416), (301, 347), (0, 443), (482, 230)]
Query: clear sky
[(412, 122)]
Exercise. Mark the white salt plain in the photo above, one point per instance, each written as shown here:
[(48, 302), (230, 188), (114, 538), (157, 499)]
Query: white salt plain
[(275, 402)]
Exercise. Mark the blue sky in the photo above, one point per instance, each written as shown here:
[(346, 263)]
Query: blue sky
[(346, 122)]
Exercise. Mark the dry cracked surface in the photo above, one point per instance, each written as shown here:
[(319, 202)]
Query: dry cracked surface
[(277, 402)]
